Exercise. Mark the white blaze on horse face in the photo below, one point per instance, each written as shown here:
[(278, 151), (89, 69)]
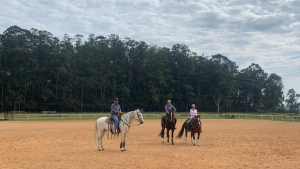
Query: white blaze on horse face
[(140, 117)]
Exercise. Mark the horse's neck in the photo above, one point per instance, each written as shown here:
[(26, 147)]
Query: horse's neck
[(129, 117)]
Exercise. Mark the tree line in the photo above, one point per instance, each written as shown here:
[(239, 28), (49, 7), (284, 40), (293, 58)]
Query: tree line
[(40, 72)]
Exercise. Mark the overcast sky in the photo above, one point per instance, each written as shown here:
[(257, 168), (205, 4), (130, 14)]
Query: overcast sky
[(266, 32)]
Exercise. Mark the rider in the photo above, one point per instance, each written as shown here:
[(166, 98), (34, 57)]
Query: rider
[(169, 108), (193, 114), (115, 111)]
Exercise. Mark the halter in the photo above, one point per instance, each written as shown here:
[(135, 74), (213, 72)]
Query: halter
[(127, 121)]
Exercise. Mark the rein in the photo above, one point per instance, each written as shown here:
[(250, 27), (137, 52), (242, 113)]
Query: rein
[(127, 121), (197, 128)]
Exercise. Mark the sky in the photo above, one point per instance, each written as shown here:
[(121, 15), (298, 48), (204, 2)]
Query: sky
[(266, 32)]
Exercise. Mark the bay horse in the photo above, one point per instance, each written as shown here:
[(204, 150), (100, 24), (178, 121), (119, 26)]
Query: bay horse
[(195, 128), (169, 122), (101, 127)]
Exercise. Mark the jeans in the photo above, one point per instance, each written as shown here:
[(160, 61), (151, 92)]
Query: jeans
[(115, 117)]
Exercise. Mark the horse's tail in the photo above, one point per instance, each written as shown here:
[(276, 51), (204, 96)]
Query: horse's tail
[(181, 131), (161, 134), (95, 131)]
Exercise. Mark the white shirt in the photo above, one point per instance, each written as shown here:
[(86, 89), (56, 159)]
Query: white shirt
[(193, 113)]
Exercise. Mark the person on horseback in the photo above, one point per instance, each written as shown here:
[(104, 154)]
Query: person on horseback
[(168, 109), (193, 114), (115, 112)]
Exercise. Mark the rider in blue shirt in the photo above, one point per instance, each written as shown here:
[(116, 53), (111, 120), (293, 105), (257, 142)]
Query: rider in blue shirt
[(115, 111), (169, 108)]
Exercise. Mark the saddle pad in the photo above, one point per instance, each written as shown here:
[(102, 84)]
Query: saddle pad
[(108, 121)]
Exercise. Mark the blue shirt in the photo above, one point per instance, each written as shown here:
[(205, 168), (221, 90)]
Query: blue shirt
[(115, 107), (169, 108)]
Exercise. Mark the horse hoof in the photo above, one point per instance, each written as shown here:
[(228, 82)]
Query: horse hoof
[(99, 149), (198, 144), (103, 149), (194, 144), (163, 142), (168, 143), (172, 143), (124, 149)]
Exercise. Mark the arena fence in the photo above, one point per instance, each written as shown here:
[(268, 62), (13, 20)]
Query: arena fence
[(178, 115)]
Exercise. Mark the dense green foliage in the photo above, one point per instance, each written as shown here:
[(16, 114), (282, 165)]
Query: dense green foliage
[(40, 72)]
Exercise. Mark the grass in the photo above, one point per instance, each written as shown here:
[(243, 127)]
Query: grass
[(148, 115)]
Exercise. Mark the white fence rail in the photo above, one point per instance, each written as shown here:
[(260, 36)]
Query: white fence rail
[(29, 117)]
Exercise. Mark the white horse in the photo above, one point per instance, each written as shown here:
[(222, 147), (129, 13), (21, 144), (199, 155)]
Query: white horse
[(101, 127)]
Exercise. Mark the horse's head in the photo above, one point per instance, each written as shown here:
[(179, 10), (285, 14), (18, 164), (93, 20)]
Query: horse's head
[(139, 115), (171, 117), (198, 119)]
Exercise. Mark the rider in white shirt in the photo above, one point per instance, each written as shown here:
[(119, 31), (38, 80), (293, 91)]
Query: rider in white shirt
[(193, 114)]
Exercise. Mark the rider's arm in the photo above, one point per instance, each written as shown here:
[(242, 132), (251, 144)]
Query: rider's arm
[(118, 112), (174, 109), (166, 110)]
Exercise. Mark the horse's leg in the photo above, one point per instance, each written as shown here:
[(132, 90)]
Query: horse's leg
[(194, 140), (192, 133), (101, 138), (186, 132), (124, 141), (168, 135), (199, 138), (163, 135), (99, 135), (172, 135)]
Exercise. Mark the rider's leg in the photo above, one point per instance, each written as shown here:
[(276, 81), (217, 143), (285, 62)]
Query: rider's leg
[(115, 117)]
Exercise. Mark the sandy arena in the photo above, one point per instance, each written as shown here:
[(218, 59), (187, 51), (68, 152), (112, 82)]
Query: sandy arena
[(224, 144)]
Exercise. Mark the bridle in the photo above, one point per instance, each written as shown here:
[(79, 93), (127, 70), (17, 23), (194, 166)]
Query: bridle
[(199, 126), (138, 113)]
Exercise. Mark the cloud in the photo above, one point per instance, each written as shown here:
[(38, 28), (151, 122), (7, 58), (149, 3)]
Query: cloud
[(247, 31)]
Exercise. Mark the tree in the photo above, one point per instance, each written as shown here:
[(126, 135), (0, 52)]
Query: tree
[(291, 101), (273, 93), (251, 84), (223, 82), (39, 71)]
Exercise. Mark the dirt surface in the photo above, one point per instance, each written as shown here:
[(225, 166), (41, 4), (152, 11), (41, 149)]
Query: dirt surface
[(224, 144)]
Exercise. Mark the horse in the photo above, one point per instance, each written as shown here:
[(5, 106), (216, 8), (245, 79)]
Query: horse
[(169, 122), (101, 127), (195, 128)]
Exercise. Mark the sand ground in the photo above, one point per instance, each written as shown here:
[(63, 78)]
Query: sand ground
[(224, 144)]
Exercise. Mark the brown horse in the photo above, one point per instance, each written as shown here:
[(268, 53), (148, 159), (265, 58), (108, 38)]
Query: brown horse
[(168, 122), (195, 128)]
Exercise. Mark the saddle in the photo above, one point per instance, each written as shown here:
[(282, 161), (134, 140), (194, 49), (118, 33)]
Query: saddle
[(110, 121)]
